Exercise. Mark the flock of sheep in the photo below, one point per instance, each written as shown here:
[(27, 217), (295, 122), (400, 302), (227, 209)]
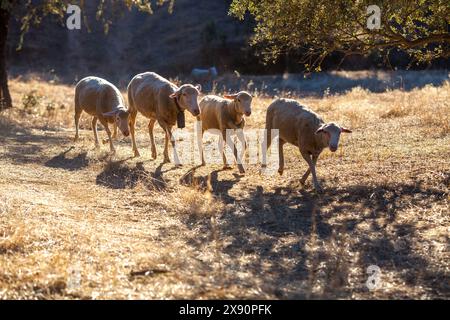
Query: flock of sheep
[(160, 100)]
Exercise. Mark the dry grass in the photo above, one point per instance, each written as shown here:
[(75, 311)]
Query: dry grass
[(78, 223)]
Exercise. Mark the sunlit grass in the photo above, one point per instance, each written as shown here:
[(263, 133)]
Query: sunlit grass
[(76, 222)]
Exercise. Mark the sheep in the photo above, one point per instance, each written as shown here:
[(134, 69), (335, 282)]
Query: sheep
[(204, 75), (303, 128), (226, 113), (102, 100), (160, 100)]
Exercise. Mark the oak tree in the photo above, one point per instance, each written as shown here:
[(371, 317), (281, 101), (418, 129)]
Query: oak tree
[(321, 27), (31, 13)]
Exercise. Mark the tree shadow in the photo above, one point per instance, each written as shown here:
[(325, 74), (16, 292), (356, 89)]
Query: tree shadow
[(116, 175), (211, 182), (189, 179), (264, 224), (61, 161), (21, 146)]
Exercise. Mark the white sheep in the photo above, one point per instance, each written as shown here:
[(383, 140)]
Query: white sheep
[(303, 128), (160, 100), (226, 113), (102, 100)]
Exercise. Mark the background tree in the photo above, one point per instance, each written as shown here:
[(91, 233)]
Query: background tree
[(31, 13), (321, 27)]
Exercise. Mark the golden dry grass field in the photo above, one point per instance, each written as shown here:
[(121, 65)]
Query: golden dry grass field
[(76, 222)]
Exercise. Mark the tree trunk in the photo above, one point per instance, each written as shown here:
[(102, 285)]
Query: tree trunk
[(5, 97)]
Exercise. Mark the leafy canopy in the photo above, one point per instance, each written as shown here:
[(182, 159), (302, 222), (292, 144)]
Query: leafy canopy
[(32, 12), (320, 27)]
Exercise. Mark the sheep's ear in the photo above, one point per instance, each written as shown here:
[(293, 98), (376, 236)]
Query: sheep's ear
[(198, 87), (346, 130), (109, 113), (320, 130), (176, 94), (231, 96)]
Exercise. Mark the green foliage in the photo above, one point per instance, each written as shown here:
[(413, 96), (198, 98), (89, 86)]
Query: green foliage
[(31, 12), (320, 27)]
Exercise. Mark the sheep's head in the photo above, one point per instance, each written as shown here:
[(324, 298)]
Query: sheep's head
[(243, 102), (121, 118), (332, 133), (187, 96)]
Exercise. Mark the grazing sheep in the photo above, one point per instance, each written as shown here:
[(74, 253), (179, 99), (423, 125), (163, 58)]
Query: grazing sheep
[(102, 100), (160, 100), (226, 113), (303, 128), (204, 75)]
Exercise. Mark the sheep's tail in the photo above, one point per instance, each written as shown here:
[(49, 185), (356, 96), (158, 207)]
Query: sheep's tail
[(77, 100), (268, 135), (267, 140), (130, 99)]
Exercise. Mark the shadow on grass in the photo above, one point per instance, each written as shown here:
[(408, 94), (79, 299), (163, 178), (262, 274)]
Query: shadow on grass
[(316, 233), (79, 162), (116, 175), (21, 145), (211, 182)]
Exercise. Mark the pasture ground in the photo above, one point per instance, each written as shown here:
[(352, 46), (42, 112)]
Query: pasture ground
[(76, 222)]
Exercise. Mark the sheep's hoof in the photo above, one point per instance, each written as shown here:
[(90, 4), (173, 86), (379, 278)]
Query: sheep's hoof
[(153, 155), (136, 154), (97, 146), (318, 189), (105, 141), (75, 139), (302, 182), (226, 167), (280, 171), (166, 160)]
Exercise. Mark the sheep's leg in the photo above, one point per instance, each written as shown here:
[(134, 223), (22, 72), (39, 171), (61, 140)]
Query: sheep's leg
[(222, 140), (237, 157), (281, 157), (312, 168), (166, 146), (241, 137), (308, 171), (132, 132), (94, 129), (108, 132), (151, 124), (232, 145), (114, 135), (305, 176), (175, 153), (267, 141), (169, 137), (200, 146), (77, 122)]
